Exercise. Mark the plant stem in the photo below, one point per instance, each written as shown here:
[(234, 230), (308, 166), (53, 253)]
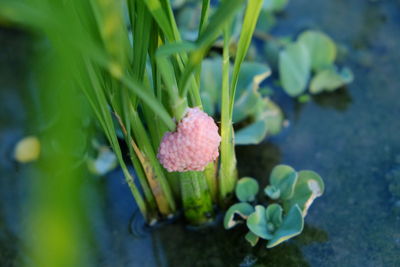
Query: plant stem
[(196, 198), (155, 175), (137, 160), (227, 172), (210, 172)]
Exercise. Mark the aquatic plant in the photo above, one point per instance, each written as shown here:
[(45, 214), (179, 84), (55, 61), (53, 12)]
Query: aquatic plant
[(157, 91), (291, 194), (143, 81)]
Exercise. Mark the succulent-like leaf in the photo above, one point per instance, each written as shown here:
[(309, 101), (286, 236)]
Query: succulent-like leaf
[(251, 134), (242, 210), (309, 186), (330, 79), (246, 189), (258, 224), (247, 97), (268, 120), (291, 226), (252, 238), (321, 48), (274, 215), (272, 191), (294, 68), (284, 178)]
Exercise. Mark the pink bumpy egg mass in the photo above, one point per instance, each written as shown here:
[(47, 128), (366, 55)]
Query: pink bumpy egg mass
[(194, 144)]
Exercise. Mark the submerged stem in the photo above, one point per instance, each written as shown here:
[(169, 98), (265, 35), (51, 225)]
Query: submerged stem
[(196, 198)]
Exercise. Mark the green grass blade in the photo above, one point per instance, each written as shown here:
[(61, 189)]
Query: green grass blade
[(150, 100), (250, 20), (218, 20)]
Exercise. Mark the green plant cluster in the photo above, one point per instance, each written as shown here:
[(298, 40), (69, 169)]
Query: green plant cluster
[(291, 194), (309, 63)]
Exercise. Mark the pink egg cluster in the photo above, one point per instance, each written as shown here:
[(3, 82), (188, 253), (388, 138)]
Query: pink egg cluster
[(194, 144)]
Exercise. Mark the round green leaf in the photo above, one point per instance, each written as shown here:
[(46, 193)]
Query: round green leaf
[(294, 68), (258, 224), (274, 215), (291, 226), (246, 189), (242, 210), (252, 238), (309, 186), (321, 48), (251, 134), (330, 79), (284, 178), (272, 192)]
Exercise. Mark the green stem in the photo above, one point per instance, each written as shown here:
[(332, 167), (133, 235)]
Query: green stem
[(151, 201), (227, 172), (210, 173), (196, 198), (155, 175)]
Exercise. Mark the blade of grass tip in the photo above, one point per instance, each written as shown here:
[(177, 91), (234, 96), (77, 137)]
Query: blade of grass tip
[(250, 20), (217, 22)]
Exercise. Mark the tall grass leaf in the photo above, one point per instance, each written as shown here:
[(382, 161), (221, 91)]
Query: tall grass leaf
[(250, 20)]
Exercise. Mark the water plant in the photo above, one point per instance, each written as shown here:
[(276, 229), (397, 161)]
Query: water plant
[(291, 194), (157, 91), (142, 80)]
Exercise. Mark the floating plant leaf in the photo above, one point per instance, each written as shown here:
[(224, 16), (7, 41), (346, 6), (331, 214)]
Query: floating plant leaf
[(275, 5), (291, 226), (210, 84), (252, 238), (272, 191), (309, 186), (252, 134), (268, 121), (243, 210), (321, 48), (330, 79), (247, 95), (294, 68), (246, 189), (258, 224), (284, 178), (274, 215)]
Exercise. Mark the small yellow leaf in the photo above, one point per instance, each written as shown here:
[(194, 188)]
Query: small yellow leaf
[(27, 149)]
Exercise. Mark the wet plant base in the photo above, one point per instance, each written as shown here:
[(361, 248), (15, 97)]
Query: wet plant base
[(350, 137)]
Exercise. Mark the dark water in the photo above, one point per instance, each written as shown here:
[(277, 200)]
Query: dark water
[(350, 137)]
